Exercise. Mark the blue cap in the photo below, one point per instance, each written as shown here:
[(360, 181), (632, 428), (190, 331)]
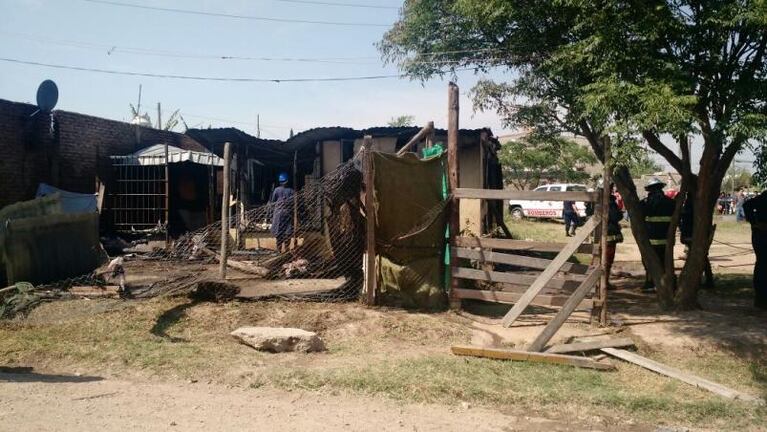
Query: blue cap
[(283, 177)]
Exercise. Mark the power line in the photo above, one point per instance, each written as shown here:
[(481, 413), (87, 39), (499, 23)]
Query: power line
[(234, 16), (112, 49), (203, 78), (322, 3)]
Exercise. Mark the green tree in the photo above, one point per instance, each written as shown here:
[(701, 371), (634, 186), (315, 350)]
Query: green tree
[(613, 72), (402, 121), (737, 178), (529, 160)]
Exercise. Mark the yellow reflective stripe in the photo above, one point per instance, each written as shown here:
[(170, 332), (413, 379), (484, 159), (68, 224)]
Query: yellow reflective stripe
[(657, 242), (657, 219)]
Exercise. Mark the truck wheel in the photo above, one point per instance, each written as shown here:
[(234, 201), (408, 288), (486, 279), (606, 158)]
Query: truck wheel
[(516, 213)]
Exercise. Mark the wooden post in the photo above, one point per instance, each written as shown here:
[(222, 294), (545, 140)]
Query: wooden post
[(452, 175), (295, 199), (225, 210), (167, 200), (605, 278), (430, 136), (370, 215)]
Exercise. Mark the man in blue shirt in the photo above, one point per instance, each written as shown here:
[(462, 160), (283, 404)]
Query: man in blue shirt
[(282, 216)]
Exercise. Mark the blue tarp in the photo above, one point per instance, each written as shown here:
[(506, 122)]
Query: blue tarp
[(71, 202)]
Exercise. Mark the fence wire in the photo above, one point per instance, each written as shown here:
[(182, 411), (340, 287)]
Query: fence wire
[(326, 241)]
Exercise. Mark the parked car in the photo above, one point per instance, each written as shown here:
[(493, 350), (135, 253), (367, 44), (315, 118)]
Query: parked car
[(546, 209)]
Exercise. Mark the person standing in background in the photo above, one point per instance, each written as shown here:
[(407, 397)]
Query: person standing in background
[(740, 199), (755, 212), (282, 218), (570, 214), (614, 235)]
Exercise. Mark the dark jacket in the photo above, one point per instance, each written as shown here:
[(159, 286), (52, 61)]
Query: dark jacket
[(568, 207), (614, 217), (658, 209), (686, 221), (756, 211)]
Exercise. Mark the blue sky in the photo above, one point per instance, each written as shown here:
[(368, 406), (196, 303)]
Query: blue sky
[(29, 28), (65, 31)]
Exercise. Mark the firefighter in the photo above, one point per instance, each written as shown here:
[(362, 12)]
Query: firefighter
[(755, 211), (657, 209), (614, 235)]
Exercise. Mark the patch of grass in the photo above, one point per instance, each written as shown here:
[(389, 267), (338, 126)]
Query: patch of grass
[(441, 379), (390, 353), (537, 230)]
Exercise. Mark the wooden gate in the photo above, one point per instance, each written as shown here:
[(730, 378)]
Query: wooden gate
[(544, 282)]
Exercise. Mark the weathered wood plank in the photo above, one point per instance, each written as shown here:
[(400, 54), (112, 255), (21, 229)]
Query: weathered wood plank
[(500, 194), (549, 273), (370, 223), (420, 136), (512, 278), (507, 244), (681, 375), (590, 346), (503, 354), (542, 300), (517, 260), (553, 326)]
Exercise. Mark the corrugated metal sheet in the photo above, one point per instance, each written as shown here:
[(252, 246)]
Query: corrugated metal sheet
[(53, 247), (155, 155)]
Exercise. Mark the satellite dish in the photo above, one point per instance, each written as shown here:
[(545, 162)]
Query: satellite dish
[(47, 96)]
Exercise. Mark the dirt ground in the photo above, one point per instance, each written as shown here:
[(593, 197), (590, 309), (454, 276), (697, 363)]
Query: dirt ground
[(77, 403), (170, 364)]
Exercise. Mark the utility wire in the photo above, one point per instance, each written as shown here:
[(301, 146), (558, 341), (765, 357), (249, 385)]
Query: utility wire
[(112, 49), (322, 3), (204, 78), (234, 16)]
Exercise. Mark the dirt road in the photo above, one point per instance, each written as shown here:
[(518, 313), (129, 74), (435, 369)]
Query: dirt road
[(39, 402)]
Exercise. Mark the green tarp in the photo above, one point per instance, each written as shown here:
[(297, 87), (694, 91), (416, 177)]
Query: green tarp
[(410, 230)]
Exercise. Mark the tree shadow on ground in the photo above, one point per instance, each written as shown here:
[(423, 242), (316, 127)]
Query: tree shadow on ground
[(27, 375)]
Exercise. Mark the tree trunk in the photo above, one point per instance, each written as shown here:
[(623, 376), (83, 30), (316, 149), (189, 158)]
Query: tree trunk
[(705, 191)]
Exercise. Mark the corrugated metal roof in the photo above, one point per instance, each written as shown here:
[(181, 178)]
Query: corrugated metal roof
[(155, 155)]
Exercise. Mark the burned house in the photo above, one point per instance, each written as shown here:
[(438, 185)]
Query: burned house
[(321, 150)]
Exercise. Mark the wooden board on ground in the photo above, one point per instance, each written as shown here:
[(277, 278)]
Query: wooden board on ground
[(681, 375), (259, 288), (513, 297), (520, 245), (550, 271), (504, 354), (94, 290), (590, 346), (569, 307)]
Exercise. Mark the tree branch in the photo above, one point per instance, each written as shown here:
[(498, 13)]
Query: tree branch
[(655, 143)]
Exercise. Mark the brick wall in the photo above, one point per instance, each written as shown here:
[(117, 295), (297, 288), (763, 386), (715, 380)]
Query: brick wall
[(72, 156)]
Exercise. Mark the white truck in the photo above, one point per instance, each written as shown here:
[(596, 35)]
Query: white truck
[(546, 209)]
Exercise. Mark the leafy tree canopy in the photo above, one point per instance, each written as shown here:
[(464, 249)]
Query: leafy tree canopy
[(628, 68), (614, 72), (401, 121), (528, 161)]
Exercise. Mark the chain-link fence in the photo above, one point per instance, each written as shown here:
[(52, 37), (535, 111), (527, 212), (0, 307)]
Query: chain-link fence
[(309, 238)]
